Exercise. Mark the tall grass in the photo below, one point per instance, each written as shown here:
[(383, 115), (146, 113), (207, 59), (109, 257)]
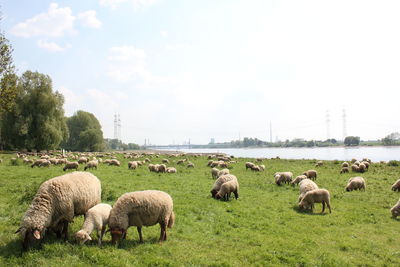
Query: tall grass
[(263, 227)]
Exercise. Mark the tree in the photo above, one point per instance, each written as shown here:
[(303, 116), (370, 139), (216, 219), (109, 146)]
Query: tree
[(391, 139), (85, 132), (36, 121), (352, 140)]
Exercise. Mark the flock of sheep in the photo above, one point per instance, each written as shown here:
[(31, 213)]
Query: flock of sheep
[(60, 199)]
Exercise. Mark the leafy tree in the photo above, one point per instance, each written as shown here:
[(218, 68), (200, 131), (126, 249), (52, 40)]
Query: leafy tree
[(391, 139), (36, 121), (352, 140), (85, 132)]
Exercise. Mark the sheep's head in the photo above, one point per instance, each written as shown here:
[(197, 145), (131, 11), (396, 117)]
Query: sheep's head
[(82, 236), (217, 196), (349, 188), (116, 235), (213, 193), (395, 212), (30, 236)]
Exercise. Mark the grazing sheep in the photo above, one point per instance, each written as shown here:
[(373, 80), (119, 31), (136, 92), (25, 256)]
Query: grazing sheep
[(298, 179), (223, 172), (395, 210), (132, 165), (256, 168), (227, 188), (26, 161), (283, 177), (38, 162), (141, 208), (262, 167), (319, 163), (91, 164), (45, 163), (96, 218), (162, 168), (345, 170), (165, 161), (356, 183), (82, 160), (71, 165), (218, 183), (249, 165), (170, 170), (316, 196), (190, 165), (345, 164), (362, 168), (153, 167), (311, 174), (305, 186), (355, 168), (396, 186), (114, 162), (214, 173), (57, 201)]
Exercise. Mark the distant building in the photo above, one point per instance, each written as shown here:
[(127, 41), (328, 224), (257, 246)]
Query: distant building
[(212, 141)]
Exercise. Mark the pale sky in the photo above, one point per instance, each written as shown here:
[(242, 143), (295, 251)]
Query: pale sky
[(178, 70)]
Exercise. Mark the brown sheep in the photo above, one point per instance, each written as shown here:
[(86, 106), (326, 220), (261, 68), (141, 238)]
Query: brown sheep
[(311, 174), (316, 196)]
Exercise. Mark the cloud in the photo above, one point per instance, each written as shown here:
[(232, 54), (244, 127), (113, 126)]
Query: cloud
[(55, 23), (126, 53), (164, 33), (88, 19), (177, 46), (73, 101), (51, 46), (137, 4)]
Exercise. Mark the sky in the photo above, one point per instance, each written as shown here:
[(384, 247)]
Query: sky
[(225, 69)]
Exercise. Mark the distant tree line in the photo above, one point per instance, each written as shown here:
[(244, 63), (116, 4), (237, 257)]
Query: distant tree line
[(32, 114)]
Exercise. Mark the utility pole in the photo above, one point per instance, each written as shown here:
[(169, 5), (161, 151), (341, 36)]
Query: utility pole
[(344, 124), (328, 134), (270, 132)]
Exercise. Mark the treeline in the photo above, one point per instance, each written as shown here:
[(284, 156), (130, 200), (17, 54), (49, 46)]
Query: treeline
[(32, 114)]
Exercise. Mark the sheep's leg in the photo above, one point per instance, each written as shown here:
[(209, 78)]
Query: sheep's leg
[(65, 230), (323, 206), (163, 234), (103, 230), (329, 207), (139, 229), (236, 195)]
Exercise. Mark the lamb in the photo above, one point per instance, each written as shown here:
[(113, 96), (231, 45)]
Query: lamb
[(56, 203), (311, 174), (218, 183), (227, 188), (214, 173), (96, 218), (298, 179), (395, 210), (305, 186), (396, 186), (316, 196), (71, 165), (91, 164), (283, 177), (249, 165), (141, 208), (170, 170), (356, 183)]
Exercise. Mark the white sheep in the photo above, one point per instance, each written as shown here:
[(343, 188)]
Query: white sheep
[(298, 179), (57, 201), (96, 218), (170, 170), (283, 177), (91, 164), (222, 172), (395, 210), (218, 183), (305, 186), (114, 162), (316, 196), (355, 183), (214, 173), (132, 165), (141, 208), (71, 165), (227, 188), (396, 186), (249, 165), (311, 174)]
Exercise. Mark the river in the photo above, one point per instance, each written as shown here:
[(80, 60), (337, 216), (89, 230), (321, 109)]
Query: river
[(375, 153)]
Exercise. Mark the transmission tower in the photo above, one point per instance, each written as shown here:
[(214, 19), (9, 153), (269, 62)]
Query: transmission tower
[(117, 127), (328, 130), (344, 124)]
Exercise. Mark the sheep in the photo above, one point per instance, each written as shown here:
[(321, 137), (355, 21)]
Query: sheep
[(222, 172), (355, 183), (249, 165), (227, 188), (262, 167), (91, 164), (141, 208), (311, 174), (82, 160), (45, 163), (96, 218), (396, 186), (190, 165), (165, 161), (132, 165), (37, 162), (256, 168), (71, 165), (298, 179), (114, 162), (316, 196), (345, 164), (162, 168), (395, 210), (57, 201), (355, 168), (170, 170), (181, 161), (214, 173), (222, 179), (26, 161), (283, 177), (305, 186), (345, 170), (319, 163), (362, 168)]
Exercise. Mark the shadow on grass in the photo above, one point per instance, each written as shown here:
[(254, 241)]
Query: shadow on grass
[(309, 211), (131, 243)]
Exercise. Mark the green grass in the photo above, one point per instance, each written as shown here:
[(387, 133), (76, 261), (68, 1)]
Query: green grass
[(262, 228)]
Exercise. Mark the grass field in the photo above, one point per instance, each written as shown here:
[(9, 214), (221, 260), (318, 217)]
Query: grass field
[(262, 228)]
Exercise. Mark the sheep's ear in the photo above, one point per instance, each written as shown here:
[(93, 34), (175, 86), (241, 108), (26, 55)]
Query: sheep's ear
[(36, 234), (18, 230)]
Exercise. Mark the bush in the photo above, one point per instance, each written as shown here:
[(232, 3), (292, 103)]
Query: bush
[(394, 163)]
